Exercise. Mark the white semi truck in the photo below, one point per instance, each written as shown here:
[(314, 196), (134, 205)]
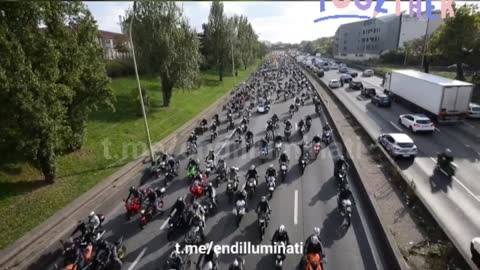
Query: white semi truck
[(443, 99)]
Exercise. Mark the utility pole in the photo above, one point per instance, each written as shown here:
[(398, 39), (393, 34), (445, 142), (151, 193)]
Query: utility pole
[(147, 131), (425, 44)]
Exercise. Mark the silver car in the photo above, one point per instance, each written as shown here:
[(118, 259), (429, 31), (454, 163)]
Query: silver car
[(398, 144)]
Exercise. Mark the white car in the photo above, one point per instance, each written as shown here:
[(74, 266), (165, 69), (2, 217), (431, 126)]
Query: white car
[(334, 84), (398, 144), (416, 122), (367, 73), (333, 66), (262, 108), (473, 110)]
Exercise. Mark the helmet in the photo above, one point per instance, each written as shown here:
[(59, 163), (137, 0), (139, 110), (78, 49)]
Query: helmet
[(271, 166), (252, 167), (315, 240), (132, 188), (174, 254), (235, 262), (195, 205), (341, 157), (285, 152), (91, 214), (281, 228), (448, 151), (211, 150), (264, 198), (316, 230), (180, 199), (210, 184)]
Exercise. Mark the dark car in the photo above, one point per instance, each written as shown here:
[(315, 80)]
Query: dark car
[(320, 73), (345, 78), (353, 74), (343, 70), (381, 100), (368, 92), (356, 85)]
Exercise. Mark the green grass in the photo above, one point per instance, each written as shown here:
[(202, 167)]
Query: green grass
[(26, 201)]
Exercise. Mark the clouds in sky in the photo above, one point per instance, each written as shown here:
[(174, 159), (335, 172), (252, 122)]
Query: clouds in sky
[(289, 22)]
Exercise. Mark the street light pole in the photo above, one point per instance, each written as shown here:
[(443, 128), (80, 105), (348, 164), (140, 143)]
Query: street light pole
[(147, 131), (233, 68)]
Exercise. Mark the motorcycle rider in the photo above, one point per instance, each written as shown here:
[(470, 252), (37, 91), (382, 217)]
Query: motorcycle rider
[(241, 195), (193, 163), (345, 194), (93, 221), (281, 236), (288, 124), (179, 208), (291, 108), (316, 233), (445, 158), (270, 172), (313, 246), (211, 192), (270, 127), (203, 123), (264, 144), (135, 193), (283, 158), (172, 163), (339, 163), (249, 137), (210, 157), (210, 257), (111, 251), (275, 118), (327, 128), (213, 128), (237, 134), (308, 122), (301, 124), (264, 208), (216, 119), (192, 140), (252, 173), (197, 214), (152, 198), (303, 150), (237, 264), (175, 260)]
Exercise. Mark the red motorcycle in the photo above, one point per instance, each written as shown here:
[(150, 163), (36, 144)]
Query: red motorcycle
[(196, 190), (151, 210), (133, 206)]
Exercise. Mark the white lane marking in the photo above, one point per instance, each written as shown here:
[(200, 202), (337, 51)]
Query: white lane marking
[(132, 266), (395, 126), (460, 183), (295, 209), (225, 143), (166, 221)]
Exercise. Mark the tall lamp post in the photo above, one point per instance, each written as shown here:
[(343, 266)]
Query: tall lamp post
[(147, 131)]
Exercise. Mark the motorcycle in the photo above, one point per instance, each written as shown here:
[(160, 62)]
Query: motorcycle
[(133, 206), (264, 153), (291, 112), (250, 187), (342, 177), (169, 175), (262, 224), (232, 186), (303, 165), (191, 148), (314, 262), (70, 254), (243, 127), (287, 134), (239, 211), (285, 96), (316, 149), (210, 166), (308, 124), (327, 137), (269, 136), (278, 148), (317, 109), (301, 131), (192, 172), (283, 170), (196, 191), (221, 176), (103, 261), (209, 205), (194, 236), (446, 168), (175, 223), (248, 145), (346, 211), (270, 186), (213, 135), (151, 212), (279, 257)]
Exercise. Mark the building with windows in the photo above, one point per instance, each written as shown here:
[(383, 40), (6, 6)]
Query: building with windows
[(115, 45), (370, 38)]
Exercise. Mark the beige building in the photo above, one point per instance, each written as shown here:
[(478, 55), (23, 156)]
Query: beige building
[(115, 45)]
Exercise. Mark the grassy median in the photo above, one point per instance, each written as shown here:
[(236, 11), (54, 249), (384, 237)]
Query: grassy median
[(25, 199)]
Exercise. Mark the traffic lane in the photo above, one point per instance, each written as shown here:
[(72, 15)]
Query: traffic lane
[(428, 144)]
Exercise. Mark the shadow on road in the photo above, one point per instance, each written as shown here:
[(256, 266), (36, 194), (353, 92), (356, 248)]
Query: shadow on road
[(332, 228), (327, 192)]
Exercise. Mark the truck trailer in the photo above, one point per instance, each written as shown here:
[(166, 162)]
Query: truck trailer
[(444, 100)]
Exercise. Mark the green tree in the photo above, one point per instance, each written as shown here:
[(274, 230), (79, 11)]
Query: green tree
[(458, 37), (216, 38), (166, 45), (52, 75)]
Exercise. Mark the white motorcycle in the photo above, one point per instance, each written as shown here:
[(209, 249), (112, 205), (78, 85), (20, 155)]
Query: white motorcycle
[(239, 211)]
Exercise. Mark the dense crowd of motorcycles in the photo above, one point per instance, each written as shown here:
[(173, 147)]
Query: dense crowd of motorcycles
[(276, 80)]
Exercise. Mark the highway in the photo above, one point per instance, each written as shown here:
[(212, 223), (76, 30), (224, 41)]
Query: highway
[(300, 203), (453, 202)]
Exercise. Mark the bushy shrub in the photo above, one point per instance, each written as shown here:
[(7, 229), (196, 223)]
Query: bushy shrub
[(136, 100), (120, 68)]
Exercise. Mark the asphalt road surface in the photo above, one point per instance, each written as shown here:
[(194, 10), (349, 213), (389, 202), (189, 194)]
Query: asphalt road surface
[(454, 202), (300, 203)]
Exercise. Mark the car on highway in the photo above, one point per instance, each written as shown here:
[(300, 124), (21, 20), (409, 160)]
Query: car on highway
[(342, 65), (319, 72), (333, 66), (342, 69), (346, 78), (381, 100), (473, 110), (398, 144), (263, 108), (368, 92), (355, 85), (367, 73), (353, 74), (416, 122), (334, 84)]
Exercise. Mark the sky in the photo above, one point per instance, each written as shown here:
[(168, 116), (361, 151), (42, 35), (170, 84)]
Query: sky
[(288, 22)]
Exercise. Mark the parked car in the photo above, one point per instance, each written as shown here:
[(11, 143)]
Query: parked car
[(334, 84), (367, 73), (416, 122), (345, 78), (381, 100), (368, 92), (473, 110), (356, 85), (353, 74), (320, 73), (398, 144)]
